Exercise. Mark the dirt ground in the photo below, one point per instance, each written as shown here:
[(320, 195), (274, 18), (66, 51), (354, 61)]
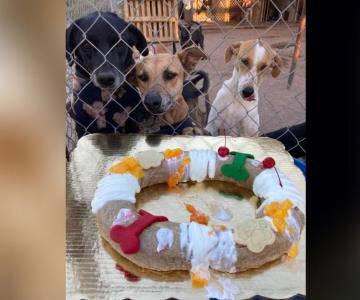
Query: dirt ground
[(278, 106)]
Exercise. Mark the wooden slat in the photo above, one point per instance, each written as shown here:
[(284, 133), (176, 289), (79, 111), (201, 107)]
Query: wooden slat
[(162, 30), (136, 8), (154, 16), (158, 3), (126, 14), (153, 19), (131, 9), (165, 10), (142, 8), (171, 29), (166, 29), (148, 13), (153, 9)]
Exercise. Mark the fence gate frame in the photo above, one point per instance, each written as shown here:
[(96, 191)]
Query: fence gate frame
[(158, 20)]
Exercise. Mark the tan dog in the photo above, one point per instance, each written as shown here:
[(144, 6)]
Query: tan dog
[(235, 108), (160, 80)]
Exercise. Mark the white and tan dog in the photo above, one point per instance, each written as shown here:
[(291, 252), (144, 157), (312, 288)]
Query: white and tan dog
[(235, 108)]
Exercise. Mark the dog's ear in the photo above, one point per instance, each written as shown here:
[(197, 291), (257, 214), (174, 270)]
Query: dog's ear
[(190, 56), (70, 46), (276, 66), (138, 40), (232, 50), (136, 55)]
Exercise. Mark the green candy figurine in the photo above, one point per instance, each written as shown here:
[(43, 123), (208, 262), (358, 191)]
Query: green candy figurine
[(236, 169)]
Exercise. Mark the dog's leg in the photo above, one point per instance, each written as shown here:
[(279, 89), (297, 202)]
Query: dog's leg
[(214, 120)]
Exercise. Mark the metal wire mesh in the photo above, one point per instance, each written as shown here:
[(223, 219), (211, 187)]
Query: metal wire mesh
[(223, 23)]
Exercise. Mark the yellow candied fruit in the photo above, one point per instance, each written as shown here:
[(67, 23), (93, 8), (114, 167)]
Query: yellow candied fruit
[(292, 231), (128, 165), (294, 250), (278, 212), (280, 224), (197, 281), (170, 153)]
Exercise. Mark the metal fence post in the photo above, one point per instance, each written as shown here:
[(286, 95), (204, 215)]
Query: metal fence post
[(298, 45)]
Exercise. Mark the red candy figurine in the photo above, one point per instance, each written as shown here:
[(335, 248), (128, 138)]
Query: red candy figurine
[(128, 237)]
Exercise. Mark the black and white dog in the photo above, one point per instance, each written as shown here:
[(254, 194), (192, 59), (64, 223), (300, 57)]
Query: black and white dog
[(191, 34), (99, 47)]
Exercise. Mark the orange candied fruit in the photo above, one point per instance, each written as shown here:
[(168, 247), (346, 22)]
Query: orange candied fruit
[(190, 208), (220, 227), (197, 216), (278, 211), (185, 161), (128, 165), (173, 180), (217, 227), (197, 281), (200, 218), (170, 153), (294, 250)]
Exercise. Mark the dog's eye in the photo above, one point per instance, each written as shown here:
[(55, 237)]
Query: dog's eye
[(168, 75), (143, 77), (262, 67), (86, 45), (245, 61)]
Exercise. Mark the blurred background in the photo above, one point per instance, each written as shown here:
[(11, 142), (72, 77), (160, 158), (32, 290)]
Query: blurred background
[(32, 160)]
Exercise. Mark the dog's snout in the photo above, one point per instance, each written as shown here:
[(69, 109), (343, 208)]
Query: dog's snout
[(153, 100), (106, 79), (248, 91)]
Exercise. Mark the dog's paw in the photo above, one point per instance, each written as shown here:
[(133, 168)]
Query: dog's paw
[(194, 131)]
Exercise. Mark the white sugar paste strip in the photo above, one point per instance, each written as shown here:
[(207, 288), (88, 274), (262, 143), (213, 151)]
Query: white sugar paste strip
[(203, 163), (198, 165), (125, 217), (266, 186), (212, 163), (216, 250), (222, 215), (229, 289), (270, 220), (255, 163), (165, 238), (291, 221), (173, 163), (115, 187), (213, 291)]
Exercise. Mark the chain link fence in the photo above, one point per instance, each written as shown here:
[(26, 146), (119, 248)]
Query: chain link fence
[(280, 104)]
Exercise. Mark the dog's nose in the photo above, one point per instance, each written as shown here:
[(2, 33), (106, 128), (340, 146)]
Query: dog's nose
[(153, 100), (248, 91), (106, 79)]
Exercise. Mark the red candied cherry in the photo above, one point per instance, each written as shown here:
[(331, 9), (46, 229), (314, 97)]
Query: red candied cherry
[(223, 151), (268, 163)]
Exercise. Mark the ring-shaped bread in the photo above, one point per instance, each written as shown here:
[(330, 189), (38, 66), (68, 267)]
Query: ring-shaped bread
[(195, 247)]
